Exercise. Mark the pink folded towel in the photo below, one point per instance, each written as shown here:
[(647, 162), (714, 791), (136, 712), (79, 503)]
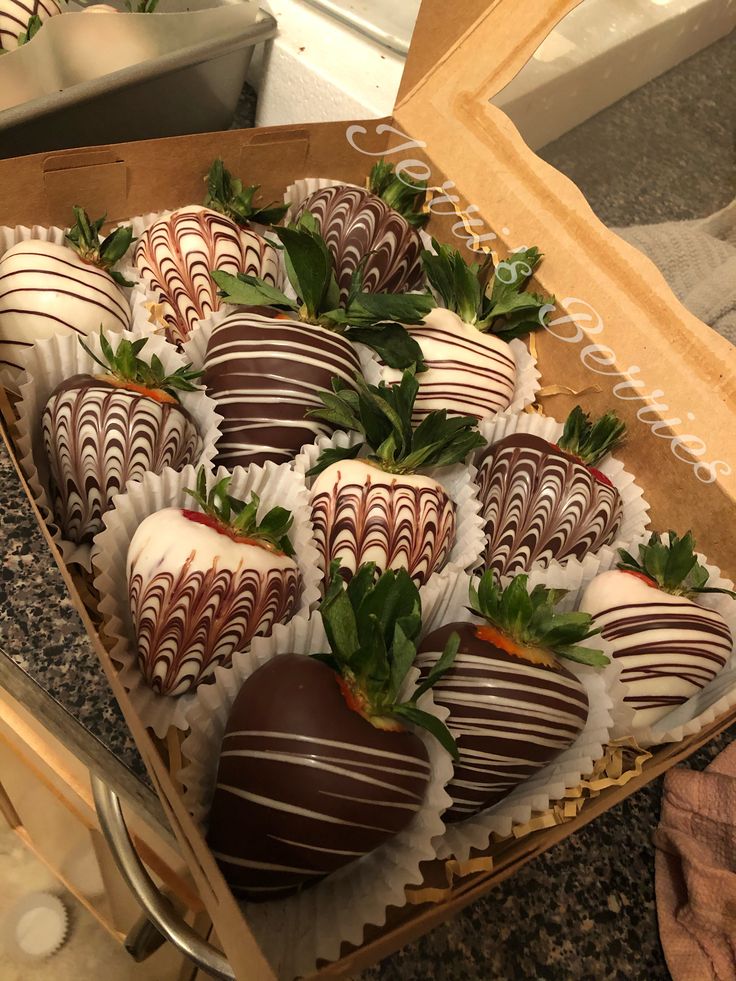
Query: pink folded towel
[(695, 869)]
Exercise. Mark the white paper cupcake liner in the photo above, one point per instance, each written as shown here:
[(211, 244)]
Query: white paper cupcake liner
[(10, 236), (295, 933), (50, 362), (276, 485), (458, 481), (635, 508), (446, 600), (717, 697)]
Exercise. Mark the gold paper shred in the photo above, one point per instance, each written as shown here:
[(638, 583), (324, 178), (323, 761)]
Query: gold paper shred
[(549, 390), (533, 346), (156, 313)]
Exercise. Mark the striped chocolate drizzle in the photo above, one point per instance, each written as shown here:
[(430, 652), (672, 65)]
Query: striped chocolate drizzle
[(177, 254), (539, 505), (46, 289), (509, 717), (360, 514), (188, 621), (97, 438), (668, 647), (264, 374), (355, 223), (14, 17), (305, 785)]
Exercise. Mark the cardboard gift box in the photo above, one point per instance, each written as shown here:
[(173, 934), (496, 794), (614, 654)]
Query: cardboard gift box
[(617, 338)]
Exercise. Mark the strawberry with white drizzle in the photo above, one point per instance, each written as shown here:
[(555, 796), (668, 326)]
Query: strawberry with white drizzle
[(48, 289), (202, 584), (383, 508), (669, 646), (102, 430), (544, 501)]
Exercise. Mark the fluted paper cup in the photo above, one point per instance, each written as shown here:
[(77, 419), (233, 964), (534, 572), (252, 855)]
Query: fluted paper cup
[(52, 361), (297, 932), (445, 600), (275, 485)]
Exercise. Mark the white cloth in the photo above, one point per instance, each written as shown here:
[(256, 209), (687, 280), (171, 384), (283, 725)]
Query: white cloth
[(698, 260)]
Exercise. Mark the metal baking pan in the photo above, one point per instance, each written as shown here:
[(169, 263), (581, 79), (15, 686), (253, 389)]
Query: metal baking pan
[(192, 89)]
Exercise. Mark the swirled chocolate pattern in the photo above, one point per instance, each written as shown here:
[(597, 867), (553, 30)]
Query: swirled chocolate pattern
[(178, 252), (264, 374), (315, 785), (540, 504), (196, 597), (468, 372), (97, 437), (14, 17), (355, 223), (668, 647), (46, 289), (362, 514), (509, 717)]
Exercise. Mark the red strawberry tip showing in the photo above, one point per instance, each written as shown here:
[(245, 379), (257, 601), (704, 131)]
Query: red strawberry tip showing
[(237, 519), (372, 625), (641, 575)]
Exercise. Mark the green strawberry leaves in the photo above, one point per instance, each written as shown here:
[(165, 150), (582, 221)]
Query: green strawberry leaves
[(400, 192), (372, 626), (84, 238), (123, 363), (530, 619), (382, 413), (591, 441), (32, 28), (493, 300), (229, 196), (672, 565), (241, 517)]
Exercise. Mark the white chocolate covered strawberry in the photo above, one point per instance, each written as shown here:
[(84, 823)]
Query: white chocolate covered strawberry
[(381, 508), (203, 583), (669, 646)]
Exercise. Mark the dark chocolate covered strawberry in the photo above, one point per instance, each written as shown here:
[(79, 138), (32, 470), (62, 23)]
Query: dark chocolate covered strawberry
[(100, 431), (383, 507), (544, 501), (265, 364), (203, 583), (513, 706), (668, 645), (317, 766), (377, 228), (471, 369)]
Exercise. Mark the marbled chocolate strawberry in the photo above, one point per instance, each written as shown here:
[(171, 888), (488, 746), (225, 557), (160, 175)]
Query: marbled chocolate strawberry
[(513, 706), (316, 762), (471, 369), (48, 289), (380, 509), (176, 255), (100, 431), (203, 583), (376, 229), (668, 645), (543, 501), (266, 364)]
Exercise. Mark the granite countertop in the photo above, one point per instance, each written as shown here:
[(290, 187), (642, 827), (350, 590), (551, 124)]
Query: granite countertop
[(586, 909)]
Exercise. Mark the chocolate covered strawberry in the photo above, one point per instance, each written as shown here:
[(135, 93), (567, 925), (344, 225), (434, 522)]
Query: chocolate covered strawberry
[(48, 289), (471, 369), (203, 583), (21, 19), (513, 705), (377, 228), (382, 508), (100, 431), (265, 364), (176, 254), (318, 766), (669, 646), (544, 501)]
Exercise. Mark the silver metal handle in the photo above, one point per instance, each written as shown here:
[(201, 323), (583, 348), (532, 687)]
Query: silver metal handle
[(157, 908)]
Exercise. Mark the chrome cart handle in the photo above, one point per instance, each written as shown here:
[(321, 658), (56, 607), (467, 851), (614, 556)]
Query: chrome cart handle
[(157, 908)]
